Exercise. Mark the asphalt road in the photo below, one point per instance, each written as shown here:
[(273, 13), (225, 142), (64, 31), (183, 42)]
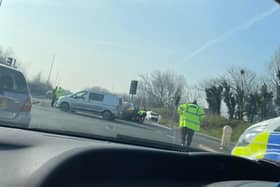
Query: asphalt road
[(45, 117)]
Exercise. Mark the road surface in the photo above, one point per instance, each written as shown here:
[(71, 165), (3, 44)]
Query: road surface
[(45, 117)]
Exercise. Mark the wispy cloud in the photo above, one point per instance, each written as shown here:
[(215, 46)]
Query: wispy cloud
[(224, 36)]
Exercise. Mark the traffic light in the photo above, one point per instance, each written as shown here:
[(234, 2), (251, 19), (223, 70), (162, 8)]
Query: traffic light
[(10, 61), (133, 87)]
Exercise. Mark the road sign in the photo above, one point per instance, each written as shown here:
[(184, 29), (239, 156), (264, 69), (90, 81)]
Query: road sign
[(133, 87)]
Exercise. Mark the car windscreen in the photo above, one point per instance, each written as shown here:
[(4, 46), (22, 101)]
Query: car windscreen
[(12, 81), (171, 71)]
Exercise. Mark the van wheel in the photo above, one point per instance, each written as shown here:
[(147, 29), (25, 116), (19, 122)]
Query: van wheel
[(107, 115), (65, 107)]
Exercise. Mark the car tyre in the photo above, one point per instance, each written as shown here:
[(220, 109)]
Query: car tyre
[(65, 107), (107, 115)]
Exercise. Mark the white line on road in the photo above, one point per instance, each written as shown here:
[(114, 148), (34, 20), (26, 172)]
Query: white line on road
[(109, 127), (207, 148), (169, 136)]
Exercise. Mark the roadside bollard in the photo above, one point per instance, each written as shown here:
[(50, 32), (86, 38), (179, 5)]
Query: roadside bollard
[(226, 138), (159, 119)]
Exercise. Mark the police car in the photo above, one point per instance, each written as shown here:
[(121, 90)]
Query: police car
[(15, 97), (260, 141)]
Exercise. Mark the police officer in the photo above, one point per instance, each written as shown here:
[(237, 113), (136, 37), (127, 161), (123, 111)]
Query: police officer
[(141, 115), (54, 96), (59, 92), (190, 118)]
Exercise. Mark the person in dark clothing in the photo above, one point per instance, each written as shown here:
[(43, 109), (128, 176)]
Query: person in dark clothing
[(187, 132), (53, 97)]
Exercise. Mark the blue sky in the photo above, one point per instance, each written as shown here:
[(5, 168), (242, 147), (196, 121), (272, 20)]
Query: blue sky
[(109, 42)]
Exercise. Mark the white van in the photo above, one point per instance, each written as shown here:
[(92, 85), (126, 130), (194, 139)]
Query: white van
[(107, 105)]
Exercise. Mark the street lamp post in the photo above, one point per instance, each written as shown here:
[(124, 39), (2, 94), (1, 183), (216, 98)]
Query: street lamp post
[(49, 77)]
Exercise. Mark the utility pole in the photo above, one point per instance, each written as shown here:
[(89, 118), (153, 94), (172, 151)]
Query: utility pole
[(57, 79), (0, 3), (50, 73)]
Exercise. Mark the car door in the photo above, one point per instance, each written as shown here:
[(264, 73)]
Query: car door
[(96, 102), (80, 100)]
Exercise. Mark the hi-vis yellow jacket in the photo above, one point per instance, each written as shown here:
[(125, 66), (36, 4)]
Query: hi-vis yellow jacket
[(190, 116)]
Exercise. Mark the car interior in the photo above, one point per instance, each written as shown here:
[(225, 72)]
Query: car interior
[(31, 158), (45, 158)]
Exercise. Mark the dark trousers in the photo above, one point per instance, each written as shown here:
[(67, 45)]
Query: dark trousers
[(53, 101), (187, 132)]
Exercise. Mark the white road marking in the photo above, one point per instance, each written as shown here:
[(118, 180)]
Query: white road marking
[(169, 136), (207, 148), (109, 127)]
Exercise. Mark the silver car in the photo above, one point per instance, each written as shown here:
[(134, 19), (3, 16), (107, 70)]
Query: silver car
[(15, 98), (106, 105)]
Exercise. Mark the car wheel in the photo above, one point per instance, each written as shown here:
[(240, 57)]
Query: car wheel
[(65, 107), (107, 115)]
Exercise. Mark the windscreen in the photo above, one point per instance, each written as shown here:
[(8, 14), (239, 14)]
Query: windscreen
[(166, 73)]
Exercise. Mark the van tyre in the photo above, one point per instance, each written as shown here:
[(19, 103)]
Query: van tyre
[(65, 107), (107, 115)]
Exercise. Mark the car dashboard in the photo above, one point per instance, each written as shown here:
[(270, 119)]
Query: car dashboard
[(30, 158)]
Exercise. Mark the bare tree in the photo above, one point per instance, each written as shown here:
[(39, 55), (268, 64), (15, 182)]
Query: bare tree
[(243, 82), (193, 93), (243, 79), (274, 77), (274, 68), (161, 88)]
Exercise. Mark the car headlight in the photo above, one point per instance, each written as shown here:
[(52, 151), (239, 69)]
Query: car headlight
[(247, 137)]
